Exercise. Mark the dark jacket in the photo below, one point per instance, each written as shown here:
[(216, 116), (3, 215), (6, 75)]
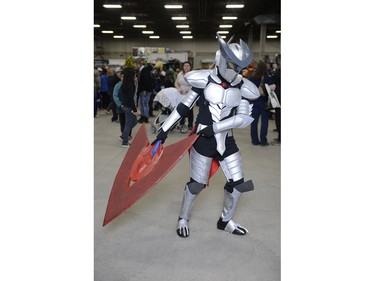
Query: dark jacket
[(127, 96), (145, 79)]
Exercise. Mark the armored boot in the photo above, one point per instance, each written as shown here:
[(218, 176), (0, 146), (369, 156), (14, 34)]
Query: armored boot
[(190, 194), (231, 199)]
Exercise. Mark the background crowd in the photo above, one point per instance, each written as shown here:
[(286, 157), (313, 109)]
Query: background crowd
[(127, 94)]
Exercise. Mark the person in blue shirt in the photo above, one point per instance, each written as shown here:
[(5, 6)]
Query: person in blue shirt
[(104, 89)]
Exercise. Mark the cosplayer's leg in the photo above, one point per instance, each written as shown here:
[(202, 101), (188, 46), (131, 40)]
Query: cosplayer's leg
[(235, 186), (191, 192), (199, 172)]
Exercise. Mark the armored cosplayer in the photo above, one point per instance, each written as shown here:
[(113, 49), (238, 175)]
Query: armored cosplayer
[(224, 103)]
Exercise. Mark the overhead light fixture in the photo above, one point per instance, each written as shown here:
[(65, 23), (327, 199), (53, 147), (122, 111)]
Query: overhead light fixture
[(118, 36), (147, 32), (234, 6), (112, 6), (187, 37), (229, 18), (128, 18), (225, 26), (182, 26), (96, 25), (154, 37), (178, 18), (223, 32), (173, 6), (139, 26), (107, 31), (278, 31), (221, 36), (185, 32), (271, 36)]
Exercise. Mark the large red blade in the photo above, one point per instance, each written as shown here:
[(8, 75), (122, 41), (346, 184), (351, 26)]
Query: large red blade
[(124, 195)]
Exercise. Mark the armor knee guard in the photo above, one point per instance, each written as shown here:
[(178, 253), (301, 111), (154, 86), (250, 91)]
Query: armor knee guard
[(232, 194), (191, 192)]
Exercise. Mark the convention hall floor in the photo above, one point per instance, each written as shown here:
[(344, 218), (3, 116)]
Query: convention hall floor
[(141, 244)]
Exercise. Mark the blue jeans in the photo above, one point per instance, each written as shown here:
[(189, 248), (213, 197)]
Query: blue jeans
[(144, 98), (259, 111), (130, 122)]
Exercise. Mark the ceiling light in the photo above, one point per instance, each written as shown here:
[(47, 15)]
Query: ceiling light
[(154, 37), (178, 18), (128, 18), (187, 37), (118, 36), (225, 26), (147, 32), (223, 32), (229, 18), (185, 32), (221, 36), (173, 6), (271, 36), (278, 31), (107, 31), (182, 26), (112, 6), (139, 26), (235, 6), (96, 25)]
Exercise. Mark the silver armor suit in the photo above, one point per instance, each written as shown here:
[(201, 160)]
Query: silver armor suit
[(224, 105), (221, 103)]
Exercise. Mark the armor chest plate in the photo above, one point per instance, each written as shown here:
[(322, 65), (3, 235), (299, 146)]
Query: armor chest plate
[(221, 100), (217, 95)]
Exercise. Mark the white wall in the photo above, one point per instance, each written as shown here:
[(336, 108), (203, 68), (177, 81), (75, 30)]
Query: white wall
[(201, 49)]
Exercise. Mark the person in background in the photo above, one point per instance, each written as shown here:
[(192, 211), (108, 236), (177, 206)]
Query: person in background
[(158, 80), (145, 89), (112, 81), (277, 81), (104, 89), (110, 74), (259, 106), (121, 114), (96, 91), (127, 104), (139, 65), (184, 87), (169, 79)]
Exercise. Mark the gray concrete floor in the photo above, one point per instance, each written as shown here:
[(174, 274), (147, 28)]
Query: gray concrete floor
[(141, 244)]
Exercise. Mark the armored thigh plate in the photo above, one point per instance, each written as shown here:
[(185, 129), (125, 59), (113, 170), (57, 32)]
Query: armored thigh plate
[(232, 167), (199, 166)]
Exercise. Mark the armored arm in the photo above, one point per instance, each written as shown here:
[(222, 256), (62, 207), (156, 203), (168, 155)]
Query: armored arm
[(198, 79), (242, 117), (180, 111)]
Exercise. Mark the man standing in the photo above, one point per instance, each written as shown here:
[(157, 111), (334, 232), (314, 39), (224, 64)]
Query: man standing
[(145, 89)]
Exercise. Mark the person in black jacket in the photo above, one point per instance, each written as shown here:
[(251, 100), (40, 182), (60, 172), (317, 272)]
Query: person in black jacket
[(145, 89), (277, 80), (126, 95)]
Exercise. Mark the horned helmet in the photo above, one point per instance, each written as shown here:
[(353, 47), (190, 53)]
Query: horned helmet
[(232, 58)]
